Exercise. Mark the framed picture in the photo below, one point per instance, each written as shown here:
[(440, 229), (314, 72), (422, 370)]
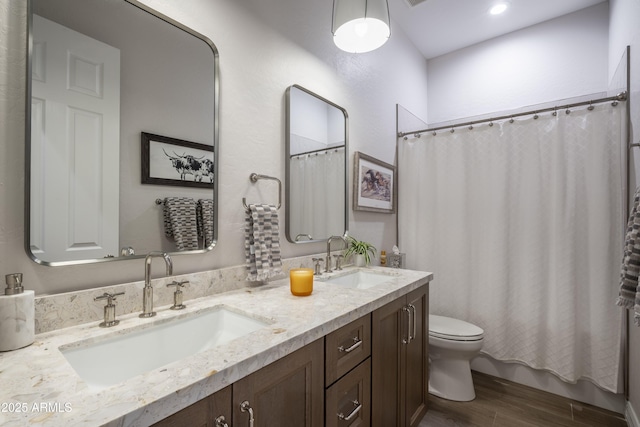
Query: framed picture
[(170, 161), (374, 184)]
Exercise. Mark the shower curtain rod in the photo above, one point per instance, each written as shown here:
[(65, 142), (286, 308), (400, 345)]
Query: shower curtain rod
[(321, 150), (622, 96)]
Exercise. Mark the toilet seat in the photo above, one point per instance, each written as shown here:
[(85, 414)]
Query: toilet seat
[(453, 329)]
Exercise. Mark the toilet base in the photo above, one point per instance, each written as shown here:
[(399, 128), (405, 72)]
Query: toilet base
[(451, 380)]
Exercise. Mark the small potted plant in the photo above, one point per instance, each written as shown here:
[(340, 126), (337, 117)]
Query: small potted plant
[(363, 252)]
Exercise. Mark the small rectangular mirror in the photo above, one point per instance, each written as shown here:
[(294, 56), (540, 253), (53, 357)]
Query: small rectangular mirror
[(316, 166)]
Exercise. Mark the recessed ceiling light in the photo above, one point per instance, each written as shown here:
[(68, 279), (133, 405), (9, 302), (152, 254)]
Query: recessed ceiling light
[(498, 8)]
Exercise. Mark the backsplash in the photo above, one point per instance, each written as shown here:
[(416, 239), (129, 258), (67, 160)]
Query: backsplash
[(75, 308)]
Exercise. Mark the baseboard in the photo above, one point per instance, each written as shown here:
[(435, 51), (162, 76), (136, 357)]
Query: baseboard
[(630, 415)]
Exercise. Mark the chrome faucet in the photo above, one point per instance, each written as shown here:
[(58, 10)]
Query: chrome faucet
[(147, 292), (327, 263)]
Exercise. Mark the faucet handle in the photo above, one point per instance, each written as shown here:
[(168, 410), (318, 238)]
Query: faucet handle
[(317, 261), (177, 295), (109, 309), (338, 261)]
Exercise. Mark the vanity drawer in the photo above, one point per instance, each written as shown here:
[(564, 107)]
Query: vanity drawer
[(348, 401), (347, 347)]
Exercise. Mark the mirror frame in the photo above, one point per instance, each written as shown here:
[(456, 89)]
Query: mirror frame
[(27, 159), (288, 163)]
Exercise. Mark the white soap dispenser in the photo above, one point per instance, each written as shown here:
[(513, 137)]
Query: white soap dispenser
[(17, 314)]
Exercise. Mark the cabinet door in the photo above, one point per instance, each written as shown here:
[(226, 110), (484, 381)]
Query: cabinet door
[(387, 329), (346, 348), (287, 393), (349, 399), (203, 413), (415, 367)]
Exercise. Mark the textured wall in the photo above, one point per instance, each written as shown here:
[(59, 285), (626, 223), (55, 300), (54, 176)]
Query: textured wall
[(265, 46)]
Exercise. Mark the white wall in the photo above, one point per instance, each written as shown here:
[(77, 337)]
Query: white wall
[(265, 46), (562, 58), (624, 30)]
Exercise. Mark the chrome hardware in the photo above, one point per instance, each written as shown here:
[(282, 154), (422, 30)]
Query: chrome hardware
[(109, 309), (338, 261), (299, 236), (357, 342), (221, 421), (177, 295), (327, 263), (254, 177), (147, 292), (408, 339), (14, 284), (412, 335), (246, 407), (317, 261), (353, 413)]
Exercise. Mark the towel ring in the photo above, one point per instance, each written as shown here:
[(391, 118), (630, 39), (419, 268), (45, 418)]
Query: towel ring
[(254, 177)]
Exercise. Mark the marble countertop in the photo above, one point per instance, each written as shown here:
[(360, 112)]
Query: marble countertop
[(38, 387)]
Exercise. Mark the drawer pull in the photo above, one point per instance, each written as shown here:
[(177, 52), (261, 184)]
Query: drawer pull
[(246, 407), (221, 421), (358, 407), (357, 342)]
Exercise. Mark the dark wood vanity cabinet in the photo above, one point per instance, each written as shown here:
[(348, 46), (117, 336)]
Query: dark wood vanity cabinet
[(287, 392), (212, 411), (371, 372), (399, 357)]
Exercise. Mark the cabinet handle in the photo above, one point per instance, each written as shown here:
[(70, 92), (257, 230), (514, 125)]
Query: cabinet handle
[(221, 422), (246, 407), (412, 336), (358, 407), (357, 342), (408, 339)]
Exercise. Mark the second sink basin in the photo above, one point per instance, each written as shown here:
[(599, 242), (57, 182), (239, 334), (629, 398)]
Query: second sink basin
[(361, 279), (113, 360)]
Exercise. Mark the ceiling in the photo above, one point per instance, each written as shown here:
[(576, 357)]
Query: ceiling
[(437, 27)]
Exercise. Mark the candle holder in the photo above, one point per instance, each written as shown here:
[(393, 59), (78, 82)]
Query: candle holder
[(301, 281)]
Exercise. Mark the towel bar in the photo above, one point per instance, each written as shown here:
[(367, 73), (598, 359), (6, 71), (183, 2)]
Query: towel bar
[(254, 177)]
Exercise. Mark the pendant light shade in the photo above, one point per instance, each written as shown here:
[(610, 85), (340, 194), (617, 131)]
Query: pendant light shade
[(360, 25)]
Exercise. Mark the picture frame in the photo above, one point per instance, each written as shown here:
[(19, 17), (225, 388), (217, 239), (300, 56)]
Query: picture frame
[(171, 161), (374, 185)]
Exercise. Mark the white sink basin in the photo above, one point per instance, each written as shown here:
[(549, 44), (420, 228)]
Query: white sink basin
[(361, 279), (115, 359)]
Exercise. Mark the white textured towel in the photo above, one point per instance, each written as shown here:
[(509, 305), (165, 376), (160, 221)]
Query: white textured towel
[(262, 242)]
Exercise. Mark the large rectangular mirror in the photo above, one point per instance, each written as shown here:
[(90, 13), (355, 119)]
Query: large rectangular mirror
[(122, 107), (316, 167)]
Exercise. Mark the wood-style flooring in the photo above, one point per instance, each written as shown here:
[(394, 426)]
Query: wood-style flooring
[(502, 403)]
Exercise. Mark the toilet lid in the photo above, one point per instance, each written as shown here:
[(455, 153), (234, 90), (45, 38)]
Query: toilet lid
[(453, 329)]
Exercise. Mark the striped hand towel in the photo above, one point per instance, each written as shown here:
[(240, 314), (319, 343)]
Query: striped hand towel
[(205, 221), (180, 222), (629, 296), (262, 242)]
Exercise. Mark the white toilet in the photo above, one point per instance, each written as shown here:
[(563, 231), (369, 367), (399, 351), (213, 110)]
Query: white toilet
[(452, 345)]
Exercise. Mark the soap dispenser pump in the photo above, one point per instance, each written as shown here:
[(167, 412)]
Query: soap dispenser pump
[(17, 314)]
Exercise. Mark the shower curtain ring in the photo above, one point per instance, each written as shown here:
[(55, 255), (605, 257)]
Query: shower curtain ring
[(452, 130), (490, 124), (590, 107), (435, 133), (555, 112), (614, 103), (471, 126), (405, 138), (511, 120), (535, 116), (568, 111)]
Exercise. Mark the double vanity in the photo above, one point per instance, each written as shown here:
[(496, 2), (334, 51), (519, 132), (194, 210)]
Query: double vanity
[(354, 349)]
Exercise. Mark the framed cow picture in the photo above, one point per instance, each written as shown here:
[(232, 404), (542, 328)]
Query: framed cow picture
[(374, 185), (170, 161)]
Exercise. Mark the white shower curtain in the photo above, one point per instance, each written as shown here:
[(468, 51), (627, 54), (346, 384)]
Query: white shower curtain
[(522, 225), (319, 208)]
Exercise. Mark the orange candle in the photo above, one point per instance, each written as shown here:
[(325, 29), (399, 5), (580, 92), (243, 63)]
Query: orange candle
[(301, 280)]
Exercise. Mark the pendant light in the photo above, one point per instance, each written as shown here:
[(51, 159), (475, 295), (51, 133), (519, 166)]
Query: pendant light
[(360, 26)]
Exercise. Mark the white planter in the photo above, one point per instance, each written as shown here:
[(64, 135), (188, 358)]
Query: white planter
[(358, 260)]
